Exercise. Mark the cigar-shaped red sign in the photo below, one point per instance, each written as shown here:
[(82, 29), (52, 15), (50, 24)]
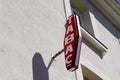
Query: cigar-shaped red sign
[(72, 43)]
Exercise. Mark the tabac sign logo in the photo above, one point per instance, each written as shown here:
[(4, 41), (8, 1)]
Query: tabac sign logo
[(72, 43)]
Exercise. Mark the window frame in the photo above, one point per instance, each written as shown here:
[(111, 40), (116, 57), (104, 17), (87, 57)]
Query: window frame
[(97, 44), (89, 74)]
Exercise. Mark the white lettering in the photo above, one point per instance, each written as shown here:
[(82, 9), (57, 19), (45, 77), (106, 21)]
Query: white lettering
[(67, 61), (69, 29), (69, 19), (69, 39), (69, 48)]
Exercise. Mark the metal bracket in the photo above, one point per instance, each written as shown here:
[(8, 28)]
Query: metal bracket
[(57, 54)]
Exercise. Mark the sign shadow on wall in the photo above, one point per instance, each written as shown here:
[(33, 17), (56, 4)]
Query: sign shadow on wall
[(40, 71)]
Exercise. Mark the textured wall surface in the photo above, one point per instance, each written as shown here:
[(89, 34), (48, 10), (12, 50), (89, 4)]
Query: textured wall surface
[(108, 66), (30, 31)]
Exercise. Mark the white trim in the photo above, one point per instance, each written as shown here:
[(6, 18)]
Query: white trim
[(79, 42), (79, 74), (97, 45), (67, 8)]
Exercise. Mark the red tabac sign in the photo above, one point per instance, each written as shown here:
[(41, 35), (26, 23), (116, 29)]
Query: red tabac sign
[(72, 43)]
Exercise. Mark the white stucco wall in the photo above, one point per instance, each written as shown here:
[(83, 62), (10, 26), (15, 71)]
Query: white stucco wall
[(27, 27), (32, 30)]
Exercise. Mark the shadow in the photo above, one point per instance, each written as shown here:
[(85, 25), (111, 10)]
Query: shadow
[(40, 71), (102, 19), (93, 49)]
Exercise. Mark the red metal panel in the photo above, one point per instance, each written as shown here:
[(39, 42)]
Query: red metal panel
[(72, 43)]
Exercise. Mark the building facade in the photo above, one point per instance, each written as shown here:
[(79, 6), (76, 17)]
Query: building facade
[(32, 31)]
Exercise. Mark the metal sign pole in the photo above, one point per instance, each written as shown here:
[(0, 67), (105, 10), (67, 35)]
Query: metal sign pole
[(57, 54)]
